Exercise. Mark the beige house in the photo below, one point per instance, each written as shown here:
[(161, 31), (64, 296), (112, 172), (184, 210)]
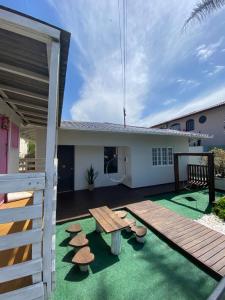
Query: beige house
[(210, 120)]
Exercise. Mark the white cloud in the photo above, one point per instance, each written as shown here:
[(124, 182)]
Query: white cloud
[(169, 101), (203, 52), (188, 82), (154, 50), (216, 70), (204, 100)]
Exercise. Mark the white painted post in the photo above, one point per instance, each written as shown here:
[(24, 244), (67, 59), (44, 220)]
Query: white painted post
[(50, 169), (116, 242), (37, 223)]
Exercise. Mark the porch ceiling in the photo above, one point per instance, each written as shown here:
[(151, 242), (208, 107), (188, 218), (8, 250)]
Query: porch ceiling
[(24, 76), (24, 72)]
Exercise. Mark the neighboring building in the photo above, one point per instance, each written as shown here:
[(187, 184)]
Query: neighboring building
[(143, 156), (210, 120)]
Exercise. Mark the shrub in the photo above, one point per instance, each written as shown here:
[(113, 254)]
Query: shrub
[(219, 161), (219, 208)]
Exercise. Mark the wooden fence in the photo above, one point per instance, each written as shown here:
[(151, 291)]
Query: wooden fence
[(33, 236)]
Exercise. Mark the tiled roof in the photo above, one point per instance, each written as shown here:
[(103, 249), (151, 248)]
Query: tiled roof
[(118, 128)]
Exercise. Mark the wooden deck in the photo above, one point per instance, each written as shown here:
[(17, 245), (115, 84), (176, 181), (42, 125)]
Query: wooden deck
[(200, 242), (72, 205)]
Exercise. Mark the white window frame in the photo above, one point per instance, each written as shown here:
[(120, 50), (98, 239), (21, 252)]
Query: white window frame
[(162, 156)]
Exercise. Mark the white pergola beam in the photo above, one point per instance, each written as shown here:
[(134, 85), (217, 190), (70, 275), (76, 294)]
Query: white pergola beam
[(28, 27), (5, 97), (26, 104), (34, 114), (23, 72), (8, 88), (41, 121)]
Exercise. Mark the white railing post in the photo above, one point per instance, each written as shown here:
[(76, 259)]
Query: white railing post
[(51, 185)]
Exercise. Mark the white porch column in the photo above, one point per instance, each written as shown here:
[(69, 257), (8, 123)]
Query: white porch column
[(51, 170)]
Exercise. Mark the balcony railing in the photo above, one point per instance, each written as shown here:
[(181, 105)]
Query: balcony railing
[(31, 165)]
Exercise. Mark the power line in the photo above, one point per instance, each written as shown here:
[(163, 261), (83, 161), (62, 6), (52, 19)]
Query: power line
[(123, 52), (124, 58)]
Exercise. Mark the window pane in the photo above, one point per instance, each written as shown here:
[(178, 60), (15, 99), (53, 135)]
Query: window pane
[(154, 156), (175, 126), (164, 156), (159, 157), (190, 125), (170, 156), (110, 160)]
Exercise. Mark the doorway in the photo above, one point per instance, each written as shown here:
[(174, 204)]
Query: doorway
[(65, 168)]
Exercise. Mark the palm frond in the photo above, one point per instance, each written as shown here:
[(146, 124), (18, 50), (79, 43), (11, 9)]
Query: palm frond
[(204, 8)]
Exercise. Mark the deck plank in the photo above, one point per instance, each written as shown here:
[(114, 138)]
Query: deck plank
[(205, 245)]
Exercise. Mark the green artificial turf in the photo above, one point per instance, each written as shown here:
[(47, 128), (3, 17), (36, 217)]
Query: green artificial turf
[(191, 204), (150, 271)]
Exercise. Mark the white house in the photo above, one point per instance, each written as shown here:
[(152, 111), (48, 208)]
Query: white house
[(135, 156)]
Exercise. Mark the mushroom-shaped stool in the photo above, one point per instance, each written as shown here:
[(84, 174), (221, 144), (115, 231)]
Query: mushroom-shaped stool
[(140, 233), (79, 241), (121, 213), (83, 258), (74, 229)]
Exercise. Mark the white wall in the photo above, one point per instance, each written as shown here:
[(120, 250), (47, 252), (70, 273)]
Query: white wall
[(196, 160), (23, 150), (143, 172), (89, 149), (85, 156), (13, 153), (40, 142), (139, 149)]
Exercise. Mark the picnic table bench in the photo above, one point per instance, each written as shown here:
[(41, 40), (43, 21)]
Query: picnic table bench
[(109, 222)]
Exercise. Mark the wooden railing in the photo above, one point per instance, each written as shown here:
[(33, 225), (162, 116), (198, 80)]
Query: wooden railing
[(31, 165), (198, 174), (34, 267)]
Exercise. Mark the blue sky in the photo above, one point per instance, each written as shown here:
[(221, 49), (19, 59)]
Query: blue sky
[(169, 72)]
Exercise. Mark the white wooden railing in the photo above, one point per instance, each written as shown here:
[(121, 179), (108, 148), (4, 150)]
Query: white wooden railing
[(34, 267), (31, 165)]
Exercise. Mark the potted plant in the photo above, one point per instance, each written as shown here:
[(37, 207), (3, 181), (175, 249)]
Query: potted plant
[(90, 177)]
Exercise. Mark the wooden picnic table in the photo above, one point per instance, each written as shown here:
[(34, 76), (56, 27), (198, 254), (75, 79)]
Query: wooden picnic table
[(108, 221)]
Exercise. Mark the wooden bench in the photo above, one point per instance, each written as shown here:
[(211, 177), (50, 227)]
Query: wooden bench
[(79, 241), (121, 213), (73, 229), (83, 258), (140, 233)]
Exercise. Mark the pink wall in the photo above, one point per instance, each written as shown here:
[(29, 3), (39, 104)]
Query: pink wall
[(4, 123)]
